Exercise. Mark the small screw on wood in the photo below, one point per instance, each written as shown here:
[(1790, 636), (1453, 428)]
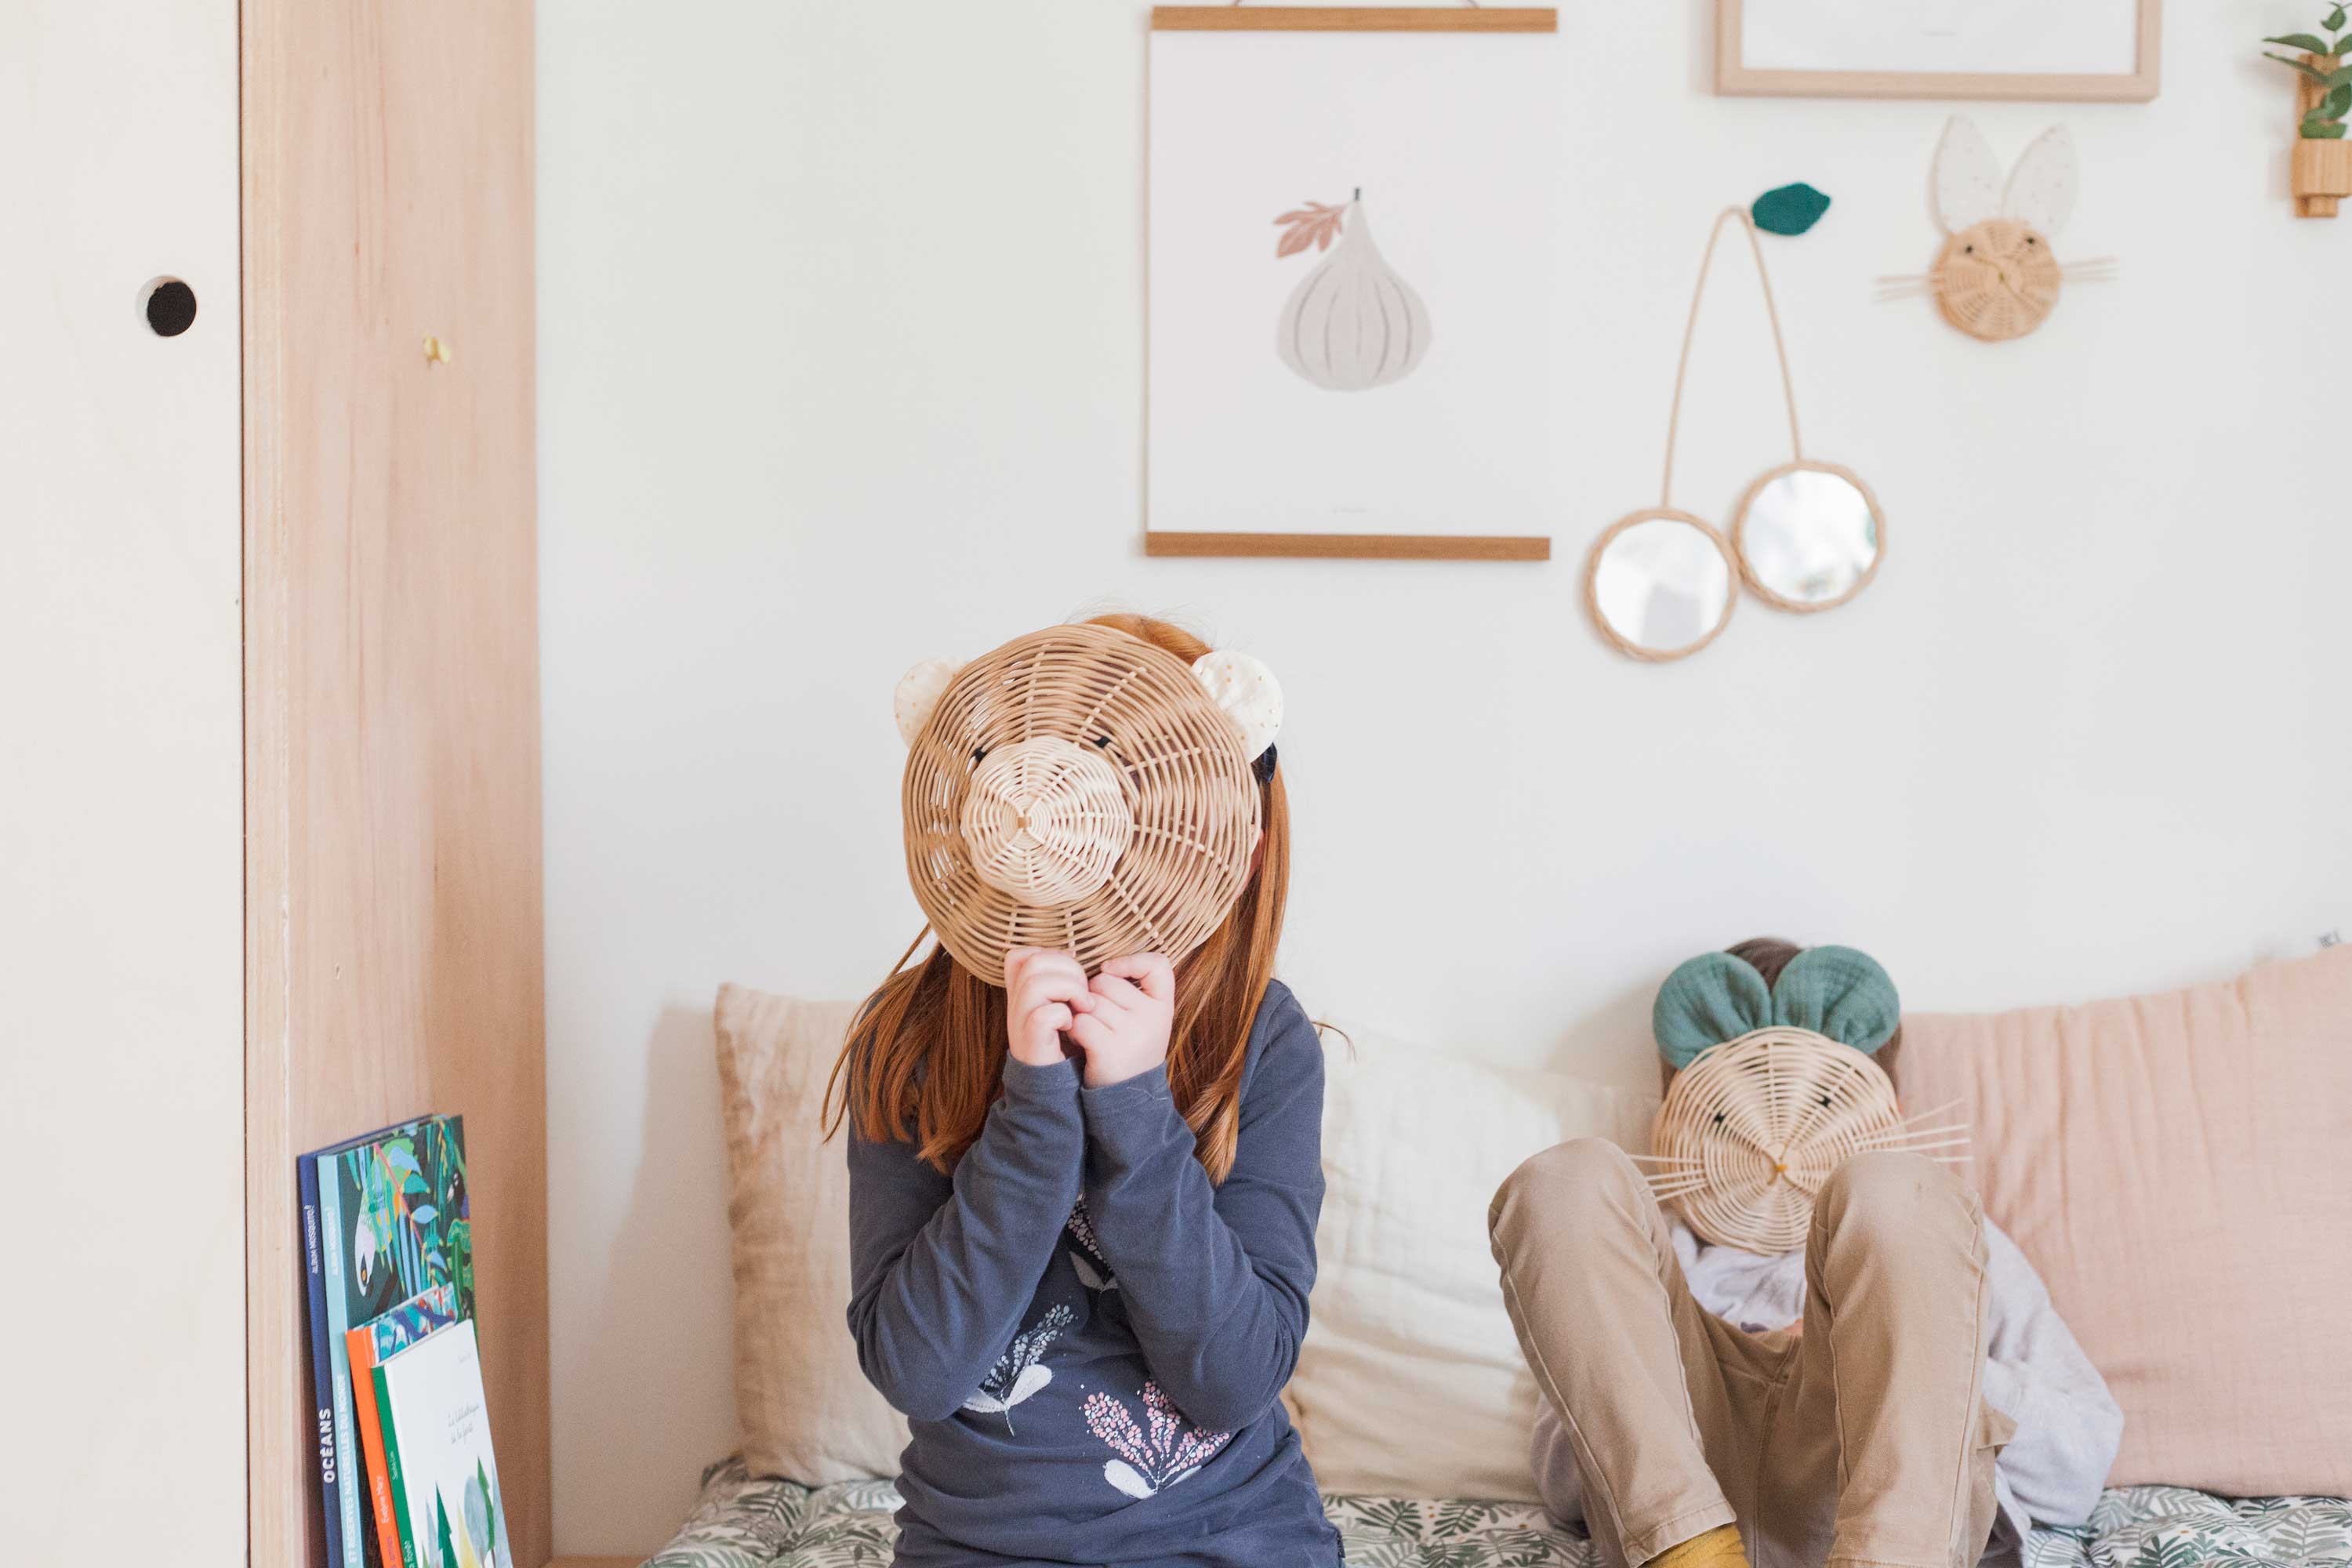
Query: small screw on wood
[(435, 351)]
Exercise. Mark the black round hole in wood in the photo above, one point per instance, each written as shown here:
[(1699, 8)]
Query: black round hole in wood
[(171, 307)]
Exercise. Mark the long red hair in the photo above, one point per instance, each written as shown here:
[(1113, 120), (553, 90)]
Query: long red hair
[(925, 1059)]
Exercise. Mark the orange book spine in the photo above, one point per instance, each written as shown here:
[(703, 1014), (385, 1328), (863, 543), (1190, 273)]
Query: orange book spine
[(361, 1346)]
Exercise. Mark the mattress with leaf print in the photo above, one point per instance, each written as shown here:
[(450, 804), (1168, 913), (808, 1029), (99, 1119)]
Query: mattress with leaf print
[(741, 1521)]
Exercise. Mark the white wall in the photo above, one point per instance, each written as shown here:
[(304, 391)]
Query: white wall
[(842, 360), (122, 805)]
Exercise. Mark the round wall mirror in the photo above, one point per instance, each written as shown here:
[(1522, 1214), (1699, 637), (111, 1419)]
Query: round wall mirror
[(1660, 584), (1809, 536)]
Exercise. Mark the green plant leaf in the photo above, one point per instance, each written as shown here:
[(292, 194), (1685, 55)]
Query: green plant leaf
[(2333, 106), (2303, 41), (2335, 21), (2314, 72), (2328, 130)]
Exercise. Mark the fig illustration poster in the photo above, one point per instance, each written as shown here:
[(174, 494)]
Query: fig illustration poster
[(1352, 323), (1406, 176)]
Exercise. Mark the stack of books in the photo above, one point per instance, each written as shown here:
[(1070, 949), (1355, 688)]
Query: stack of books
[(404, 1456)]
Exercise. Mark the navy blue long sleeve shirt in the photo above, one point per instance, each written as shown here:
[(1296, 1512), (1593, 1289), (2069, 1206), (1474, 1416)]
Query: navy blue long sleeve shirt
[(1090, 1338)]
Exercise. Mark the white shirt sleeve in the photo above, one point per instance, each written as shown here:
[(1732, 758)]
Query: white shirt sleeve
[(2068, 1426)]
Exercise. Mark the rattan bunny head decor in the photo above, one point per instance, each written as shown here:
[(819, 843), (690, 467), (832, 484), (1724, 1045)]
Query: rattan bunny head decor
[(1080, 788), (1776, 1090), (1999, 275)]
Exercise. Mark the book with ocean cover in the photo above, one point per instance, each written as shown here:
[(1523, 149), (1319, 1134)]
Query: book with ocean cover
[(384, 1218), (437, 1449)]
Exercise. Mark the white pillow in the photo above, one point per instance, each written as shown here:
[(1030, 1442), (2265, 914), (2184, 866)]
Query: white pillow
[(807, 1411), (1410, 1382)]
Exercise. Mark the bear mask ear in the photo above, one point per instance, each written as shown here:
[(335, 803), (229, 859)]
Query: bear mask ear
[(1247, 691), (1705, 1001), (1839, 992), (918, 694)]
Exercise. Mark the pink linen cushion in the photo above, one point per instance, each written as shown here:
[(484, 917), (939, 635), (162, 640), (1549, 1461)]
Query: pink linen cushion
[(2180, 1169)]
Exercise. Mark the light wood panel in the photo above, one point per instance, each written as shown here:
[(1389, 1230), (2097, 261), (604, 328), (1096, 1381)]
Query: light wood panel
[(1352, 546), (394, 951), (1354, 19), (1734, 78)]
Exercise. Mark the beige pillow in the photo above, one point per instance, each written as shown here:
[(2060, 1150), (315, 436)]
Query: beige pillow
[(2179, 1168), (1410, 1382), (806, 1410)]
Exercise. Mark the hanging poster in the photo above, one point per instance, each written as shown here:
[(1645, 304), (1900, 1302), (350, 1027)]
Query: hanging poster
[(1351, 270)]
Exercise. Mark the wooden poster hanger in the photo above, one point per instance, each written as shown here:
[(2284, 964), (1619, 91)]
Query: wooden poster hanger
[(1469, 17)]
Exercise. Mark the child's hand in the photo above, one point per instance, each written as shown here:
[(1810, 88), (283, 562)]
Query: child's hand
[(1045, 992), (1124, 1030)]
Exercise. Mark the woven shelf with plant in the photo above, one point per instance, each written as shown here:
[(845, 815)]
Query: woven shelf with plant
[(2323, 159)]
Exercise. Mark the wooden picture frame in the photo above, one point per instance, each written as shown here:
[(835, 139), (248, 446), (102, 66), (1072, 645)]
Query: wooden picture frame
[(1735, 78), (1167, 544)]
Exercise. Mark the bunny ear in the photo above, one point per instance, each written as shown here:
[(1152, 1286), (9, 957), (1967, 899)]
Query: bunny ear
[(1967, 178), (2041, 187), (918, 694), (1839, 992), (1705, 1001), (1247, 690)]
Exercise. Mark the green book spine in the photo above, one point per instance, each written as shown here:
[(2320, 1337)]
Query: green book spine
[(391, 1465)]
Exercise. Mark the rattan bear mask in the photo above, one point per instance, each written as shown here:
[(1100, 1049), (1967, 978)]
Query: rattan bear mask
[(1081, 789)]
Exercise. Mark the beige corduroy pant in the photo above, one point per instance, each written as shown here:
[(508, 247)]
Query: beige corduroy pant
[(1863, 1440)]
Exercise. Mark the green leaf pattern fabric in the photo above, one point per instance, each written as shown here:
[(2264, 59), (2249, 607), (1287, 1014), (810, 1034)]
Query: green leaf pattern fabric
[(741, 1522)]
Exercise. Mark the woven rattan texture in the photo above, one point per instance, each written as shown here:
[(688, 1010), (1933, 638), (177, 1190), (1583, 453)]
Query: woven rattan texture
[(1753, 1127), (1996, 281), (1077, 789)]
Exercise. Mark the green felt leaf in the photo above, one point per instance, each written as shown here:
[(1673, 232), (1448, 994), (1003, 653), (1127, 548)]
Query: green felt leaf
[(1789, 209), (2335, 22), (2337, 100), (2332, 131), (2303, 41)]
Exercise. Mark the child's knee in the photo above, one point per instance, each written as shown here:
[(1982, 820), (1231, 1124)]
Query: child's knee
[(1568, 1185), (1883, 1189)]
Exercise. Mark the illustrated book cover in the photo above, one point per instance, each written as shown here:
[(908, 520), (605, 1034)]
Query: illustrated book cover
[(444, 1468), (385, 1219)]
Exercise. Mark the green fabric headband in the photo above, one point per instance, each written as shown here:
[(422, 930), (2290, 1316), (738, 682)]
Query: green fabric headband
[(1832, 991)]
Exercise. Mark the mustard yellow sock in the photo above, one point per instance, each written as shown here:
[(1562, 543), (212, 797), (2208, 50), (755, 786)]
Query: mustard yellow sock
[(1718, 1548)]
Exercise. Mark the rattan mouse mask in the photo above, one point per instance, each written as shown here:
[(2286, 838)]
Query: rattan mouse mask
[(1081, 789), (1776, 1088)]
